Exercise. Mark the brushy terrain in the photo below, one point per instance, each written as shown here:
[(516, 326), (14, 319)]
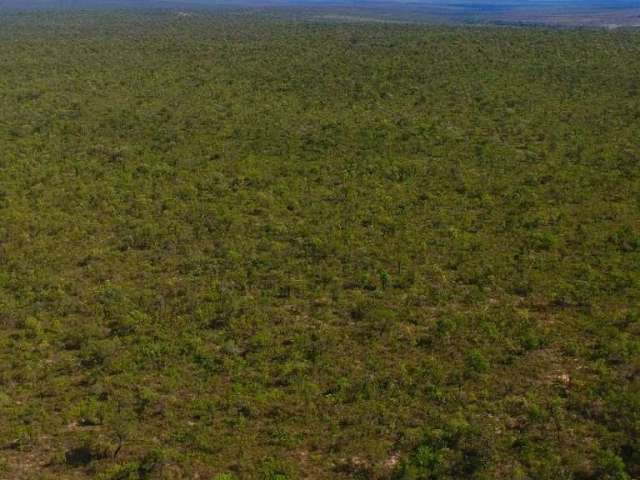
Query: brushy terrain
[(237, 247)]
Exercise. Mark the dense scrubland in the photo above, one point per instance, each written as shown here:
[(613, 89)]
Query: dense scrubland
[(234, 247)]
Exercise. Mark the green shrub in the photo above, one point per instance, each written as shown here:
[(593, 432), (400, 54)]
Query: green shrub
[(476, 362), (611, 467)]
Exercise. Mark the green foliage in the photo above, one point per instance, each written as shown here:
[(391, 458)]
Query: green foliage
[(476, 362), (291, 249), (273, 469), (459, 450), (223, 476), (611, 467)]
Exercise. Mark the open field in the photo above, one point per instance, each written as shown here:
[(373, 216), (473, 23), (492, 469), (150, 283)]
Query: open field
[(238, 247)]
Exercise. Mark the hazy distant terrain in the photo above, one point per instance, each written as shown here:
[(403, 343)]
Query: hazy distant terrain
[(601, 13)]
